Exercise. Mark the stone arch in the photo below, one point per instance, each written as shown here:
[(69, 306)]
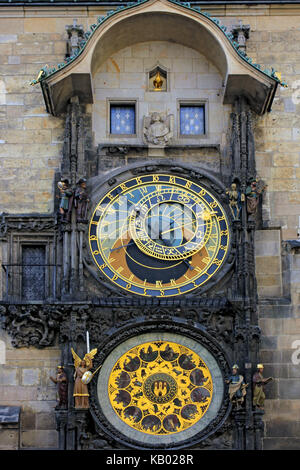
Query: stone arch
[(164, 20)]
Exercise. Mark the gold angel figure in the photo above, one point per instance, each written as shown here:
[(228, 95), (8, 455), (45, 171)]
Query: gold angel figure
[(80, 393)]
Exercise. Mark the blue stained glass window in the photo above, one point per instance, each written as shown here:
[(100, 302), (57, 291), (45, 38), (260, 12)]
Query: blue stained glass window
[(192, 120), (122, 119)]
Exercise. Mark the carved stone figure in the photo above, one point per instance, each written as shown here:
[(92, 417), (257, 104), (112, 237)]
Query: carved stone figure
[(237, 387), (61, 381), (258, 387), (81, 201), (158, 128), (75, 35), (66, 197), (253, 192), (235, 199), (80, 392)]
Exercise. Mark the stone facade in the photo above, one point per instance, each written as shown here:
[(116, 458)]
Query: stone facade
[(25, 383), (31, 146)]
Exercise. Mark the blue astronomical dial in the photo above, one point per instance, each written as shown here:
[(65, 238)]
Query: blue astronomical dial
[(159, 235)]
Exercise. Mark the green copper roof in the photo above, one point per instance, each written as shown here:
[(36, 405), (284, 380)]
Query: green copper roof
[(47, 71)]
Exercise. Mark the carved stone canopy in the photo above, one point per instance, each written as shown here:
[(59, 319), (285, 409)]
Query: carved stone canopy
[(240, 75)]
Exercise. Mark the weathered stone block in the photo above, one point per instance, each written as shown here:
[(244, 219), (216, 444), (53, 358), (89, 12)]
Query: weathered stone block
[(9, 439), (130, 80), (45, 421), (269, 342), (31, 376), (131, 64), (13, 394), (276, 371), (140, 50), (114, 65), (8, 376), (283, 172), (289, 389), (40, 25), (6, 49), (293, 371), (283, 443), (282, 427), (185, 80), (107, 80), (270, 357), (264, 281), (268, 264), (271, 326), (291, 326), (209, 81), (40, 439), (14, 99), (28, 418)]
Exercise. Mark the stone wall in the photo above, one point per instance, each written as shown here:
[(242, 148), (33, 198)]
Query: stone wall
[(279, 319), (24, 382), (190, 76)]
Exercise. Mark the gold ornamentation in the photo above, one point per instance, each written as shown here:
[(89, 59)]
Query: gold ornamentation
[(87, 358), (158, 82), (160, 388)]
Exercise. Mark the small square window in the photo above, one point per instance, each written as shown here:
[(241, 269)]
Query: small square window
[(122, 119), (192, 119)]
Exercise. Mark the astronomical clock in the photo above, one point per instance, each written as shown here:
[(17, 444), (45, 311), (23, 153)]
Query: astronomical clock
[(159, 235), (159, 238)]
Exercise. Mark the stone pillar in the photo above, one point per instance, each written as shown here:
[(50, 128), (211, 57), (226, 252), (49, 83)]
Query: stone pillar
[(239, 434)]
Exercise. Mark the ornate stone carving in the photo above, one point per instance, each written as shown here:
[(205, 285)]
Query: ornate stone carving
[(36, 325), (158, 129), (29, 223), (240, 34), (31, 325), (75, 35)]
